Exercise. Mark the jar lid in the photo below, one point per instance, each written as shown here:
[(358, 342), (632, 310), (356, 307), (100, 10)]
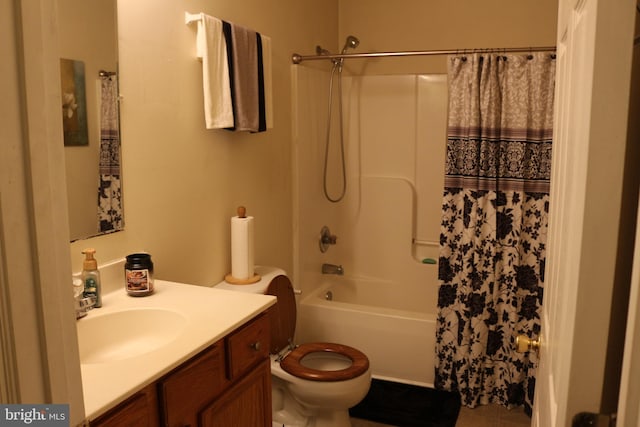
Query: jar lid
[(138, 256)]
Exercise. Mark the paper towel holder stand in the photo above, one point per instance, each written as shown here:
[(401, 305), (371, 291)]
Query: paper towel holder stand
[(242, 213), (234, 281)]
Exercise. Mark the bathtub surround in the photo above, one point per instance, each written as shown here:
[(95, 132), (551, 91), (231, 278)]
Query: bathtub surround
[(494, 225)]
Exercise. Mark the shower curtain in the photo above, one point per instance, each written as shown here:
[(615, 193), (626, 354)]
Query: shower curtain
[(494, 225), (110, 214)]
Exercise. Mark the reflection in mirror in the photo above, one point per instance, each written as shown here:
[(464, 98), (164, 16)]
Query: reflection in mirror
[(88, 34), (110, 213)]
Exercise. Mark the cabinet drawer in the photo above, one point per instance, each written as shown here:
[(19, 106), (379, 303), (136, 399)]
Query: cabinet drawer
[(248, 346), (193, 385)]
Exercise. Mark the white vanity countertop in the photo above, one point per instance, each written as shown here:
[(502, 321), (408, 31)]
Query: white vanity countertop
[(210, 315)]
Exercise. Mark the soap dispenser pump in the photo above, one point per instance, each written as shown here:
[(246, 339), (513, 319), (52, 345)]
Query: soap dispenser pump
[(91, 277)]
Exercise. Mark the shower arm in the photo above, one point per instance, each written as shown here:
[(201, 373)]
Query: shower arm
[(297, 58)]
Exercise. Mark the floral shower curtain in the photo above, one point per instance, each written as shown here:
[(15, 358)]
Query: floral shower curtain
[(494, 225), (110, 215)]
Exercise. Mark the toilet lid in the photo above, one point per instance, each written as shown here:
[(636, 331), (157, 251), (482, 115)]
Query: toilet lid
[(293, 362), (283, 314)]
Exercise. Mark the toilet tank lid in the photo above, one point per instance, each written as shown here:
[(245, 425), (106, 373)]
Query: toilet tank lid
[(266, 273)]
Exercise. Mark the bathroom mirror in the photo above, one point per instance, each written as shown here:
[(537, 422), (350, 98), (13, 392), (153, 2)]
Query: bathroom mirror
[(88, 39)]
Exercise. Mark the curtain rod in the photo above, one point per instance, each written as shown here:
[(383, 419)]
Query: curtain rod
[(297, 58)]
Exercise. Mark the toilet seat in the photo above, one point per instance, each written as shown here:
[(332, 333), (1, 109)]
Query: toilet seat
[(283, 326), (292, 362)]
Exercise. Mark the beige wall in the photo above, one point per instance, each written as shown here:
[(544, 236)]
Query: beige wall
[(437, 24), (182, 183)]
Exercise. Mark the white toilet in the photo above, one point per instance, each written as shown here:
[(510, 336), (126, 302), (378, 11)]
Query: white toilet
[(313, 384)]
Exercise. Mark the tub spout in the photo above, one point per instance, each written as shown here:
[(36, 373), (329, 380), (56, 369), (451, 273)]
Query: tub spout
[(332, 269)]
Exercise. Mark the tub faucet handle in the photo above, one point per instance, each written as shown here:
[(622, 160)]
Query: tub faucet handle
[(326, 239)]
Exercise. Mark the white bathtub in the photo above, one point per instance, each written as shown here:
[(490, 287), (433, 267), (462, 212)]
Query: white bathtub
[(396, 331)]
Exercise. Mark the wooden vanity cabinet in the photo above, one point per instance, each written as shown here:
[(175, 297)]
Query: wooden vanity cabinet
[(185, 391), (141, 409), (246, 403), (228, 381), (228, 384)]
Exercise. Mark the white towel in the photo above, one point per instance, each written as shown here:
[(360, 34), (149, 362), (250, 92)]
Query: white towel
[(268, 92), (212, 48)]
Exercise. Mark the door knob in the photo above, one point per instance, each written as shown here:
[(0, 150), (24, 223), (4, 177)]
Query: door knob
[(524, 344)]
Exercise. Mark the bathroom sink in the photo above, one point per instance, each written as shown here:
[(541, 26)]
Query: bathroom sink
[(118, 335)]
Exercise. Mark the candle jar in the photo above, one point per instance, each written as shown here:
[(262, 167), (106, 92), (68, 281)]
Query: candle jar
[(138, 273)]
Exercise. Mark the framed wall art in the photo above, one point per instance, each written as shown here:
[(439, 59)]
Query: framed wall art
[(74, 103)]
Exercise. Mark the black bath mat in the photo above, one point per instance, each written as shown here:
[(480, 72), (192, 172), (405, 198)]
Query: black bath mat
[(407, 405)]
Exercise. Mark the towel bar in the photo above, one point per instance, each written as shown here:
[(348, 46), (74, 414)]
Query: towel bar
[(192, 17)]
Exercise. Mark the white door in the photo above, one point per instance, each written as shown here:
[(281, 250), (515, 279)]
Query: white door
[(594, 52)]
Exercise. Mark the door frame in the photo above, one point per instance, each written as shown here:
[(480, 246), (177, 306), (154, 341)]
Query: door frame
[(40, 362)]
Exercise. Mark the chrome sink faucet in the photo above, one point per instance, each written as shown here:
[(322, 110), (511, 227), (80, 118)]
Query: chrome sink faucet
[(332, 269), (83, 305)]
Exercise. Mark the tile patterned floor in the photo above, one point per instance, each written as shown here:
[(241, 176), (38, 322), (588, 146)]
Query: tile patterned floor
[(482, 416)]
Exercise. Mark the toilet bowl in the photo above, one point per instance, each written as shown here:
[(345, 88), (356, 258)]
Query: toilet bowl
[(313, 384)]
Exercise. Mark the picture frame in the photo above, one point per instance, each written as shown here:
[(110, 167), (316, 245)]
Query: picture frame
[(74, 103)]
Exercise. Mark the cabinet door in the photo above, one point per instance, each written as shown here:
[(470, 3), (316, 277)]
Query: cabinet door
[(246, 404), (139, 410), (192, 386)]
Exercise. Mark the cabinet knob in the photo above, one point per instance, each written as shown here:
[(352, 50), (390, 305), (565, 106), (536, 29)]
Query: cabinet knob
[(256, 345)]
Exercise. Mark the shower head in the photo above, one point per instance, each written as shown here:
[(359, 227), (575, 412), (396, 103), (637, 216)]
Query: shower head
[(351, 42)]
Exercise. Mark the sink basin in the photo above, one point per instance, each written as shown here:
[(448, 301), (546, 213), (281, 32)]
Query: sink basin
[(120, 335)]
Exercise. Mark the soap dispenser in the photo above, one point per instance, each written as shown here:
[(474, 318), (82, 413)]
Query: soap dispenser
[(91, 277)]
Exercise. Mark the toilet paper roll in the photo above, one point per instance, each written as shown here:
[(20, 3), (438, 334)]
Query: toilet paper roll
[(242, 247)]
